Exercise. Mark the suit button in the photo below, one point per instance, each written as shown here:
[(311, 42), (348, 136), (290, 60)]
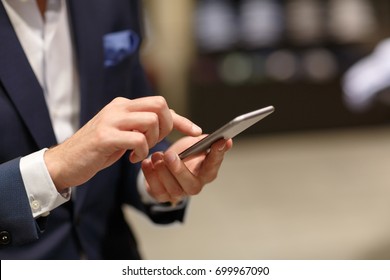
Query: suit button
[(5, 238)]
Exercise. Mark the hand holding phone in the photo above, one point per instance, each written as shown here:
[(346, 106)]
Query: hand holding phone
[(228, 131)]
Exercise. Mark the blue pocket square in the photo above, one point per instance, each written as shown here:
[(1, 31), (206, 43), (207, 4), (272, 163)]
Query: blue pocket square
[(119, 45)]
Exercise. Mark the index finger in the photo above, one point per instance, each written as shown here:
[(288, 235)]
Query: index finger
[(184, 125)]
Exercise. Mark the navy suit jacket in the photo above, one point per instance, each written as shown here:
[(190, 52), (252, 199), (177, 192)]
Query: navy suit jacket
[(93, 225)]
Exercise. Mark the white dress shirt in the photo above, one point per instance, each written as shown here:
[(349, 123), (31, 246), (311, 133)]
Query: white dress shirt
[(48, 47)]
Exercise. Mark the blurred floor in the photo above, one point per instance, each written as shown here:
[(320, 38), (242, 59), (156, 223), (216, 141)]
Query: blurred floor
[(311, 195)]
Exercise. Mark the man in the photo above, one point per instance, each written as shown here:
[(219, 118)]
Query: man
[(63, 65)]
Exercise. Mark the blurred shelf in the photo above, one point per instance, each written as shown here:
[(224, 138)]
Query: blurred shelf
[(234, 80), (298, 106)]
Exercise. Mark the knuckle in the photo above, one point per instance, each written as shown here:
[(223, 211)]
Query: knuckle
[(153, 119), (118, 100), (140, 145), (210, 177), (161, 103), (194, 189), (139, 140)]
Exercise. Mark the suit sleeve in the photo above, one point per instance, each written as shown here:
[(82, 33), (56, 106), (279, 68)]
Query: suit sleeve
[(17, 224)]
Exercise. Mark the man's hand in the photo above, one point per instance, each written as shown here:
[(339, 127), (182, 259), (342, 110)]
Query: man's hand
[(171, 179), (122, 125)]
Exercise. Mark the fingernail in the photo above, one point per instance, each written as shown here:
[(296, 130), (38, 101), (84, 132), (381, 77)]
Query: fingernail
[(221, 148), (156, 157), (170, 157), (196, 129), (177, 199), (134, 158)]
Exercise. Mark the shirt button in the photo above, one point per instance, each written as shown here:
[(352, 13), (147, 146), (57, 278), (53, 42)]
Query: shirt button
[(35, 205), (5, 238)]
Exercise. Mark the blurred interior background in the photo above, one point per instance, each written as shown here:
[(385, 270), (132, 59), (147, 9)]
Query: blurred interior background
[(312, 180)]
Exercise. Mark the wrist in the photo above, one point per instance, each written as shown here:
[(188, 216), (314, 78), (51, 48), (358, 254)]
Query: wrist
[(55, 170)]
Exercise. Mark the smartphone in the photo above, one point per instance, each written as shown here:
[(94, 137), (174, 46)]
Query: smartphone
[(227, 131)]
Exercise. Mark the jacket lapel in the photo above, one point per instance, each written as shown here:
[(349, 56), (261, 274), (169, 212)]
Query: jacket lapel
[(87, 43), (89, 56), (22, 86)]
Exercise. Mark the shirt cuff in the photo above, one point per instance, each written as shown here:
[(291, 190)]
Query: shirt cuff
[(41, 191)]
